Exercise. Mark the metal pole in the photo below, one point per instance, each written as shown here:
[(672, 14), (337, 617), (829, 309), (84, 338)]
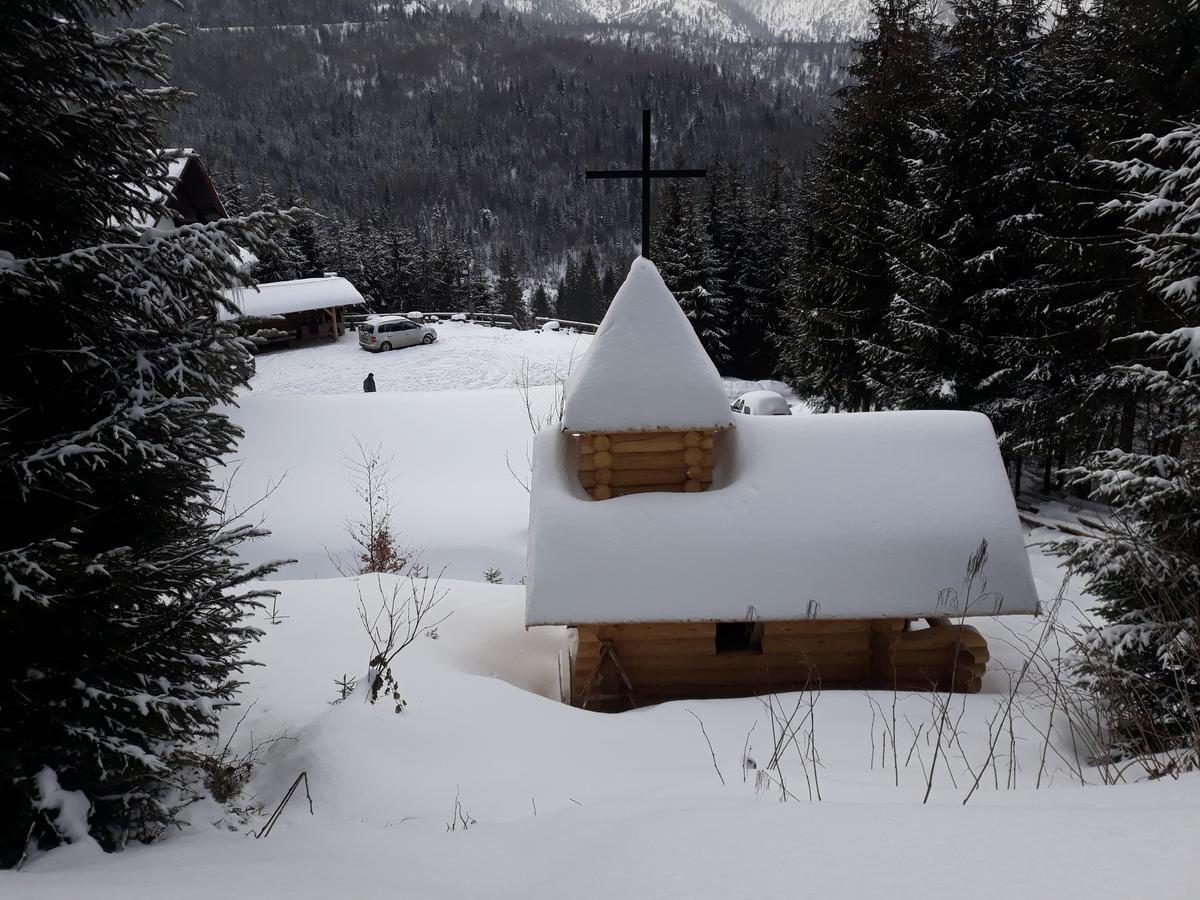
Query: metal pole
[(646, 183)]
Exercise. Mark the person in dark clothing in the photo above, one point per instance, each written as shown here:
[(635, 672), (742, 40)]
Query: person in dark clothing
[(369, 383)]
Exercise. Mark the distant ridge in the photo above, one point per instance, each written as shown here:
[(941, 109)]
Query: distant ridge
[(735, 20)]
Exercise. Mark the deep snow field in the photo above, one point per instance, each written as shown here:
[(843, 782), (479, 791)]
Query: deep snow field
[(561, 802)]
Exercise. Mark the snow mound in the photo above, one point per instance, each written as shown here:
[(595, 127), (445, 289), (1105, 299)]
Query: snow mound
[(645, 368), (827, 516)]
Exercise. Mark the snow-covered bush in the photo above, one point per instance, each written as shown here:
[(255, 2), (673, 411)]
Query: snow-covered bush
[(123, 628), (1144, 661)]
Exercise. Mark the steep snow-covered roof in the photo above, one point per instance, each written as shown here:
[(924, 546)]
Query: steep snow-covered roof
[(645, 367), (279, 297), (826, 516)]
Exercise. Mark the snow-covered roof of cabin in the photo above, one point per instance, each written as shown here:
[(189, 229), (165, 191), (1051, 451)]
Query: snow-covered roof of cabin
[(645, 368), (827, 516), (276, 298)]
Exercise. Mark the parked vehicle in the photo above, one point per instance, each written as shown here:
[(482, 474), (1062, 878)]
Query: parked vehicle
[(761, 403), (392, 333)]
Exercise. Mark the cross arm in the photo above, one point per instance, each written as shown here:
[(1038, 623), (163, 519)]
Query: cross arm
[(653, 173)]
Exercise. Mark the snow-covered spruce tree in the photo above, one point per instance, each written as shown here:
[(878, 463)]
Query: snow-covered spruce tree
[(690, 267), (1144, 660), (281, 261), (588, 294), (540, 303), (508, 289), (840, 284), (959, 260), (123, 629), (747, 249)]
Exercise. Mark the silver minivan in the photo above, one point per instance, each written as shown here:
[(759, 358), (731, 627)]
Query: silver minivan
[(392, 332)]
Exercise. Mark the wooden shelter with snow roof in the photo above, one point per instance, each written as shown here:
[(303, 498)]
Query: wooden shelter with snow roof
[(695, 559), (302, 308)]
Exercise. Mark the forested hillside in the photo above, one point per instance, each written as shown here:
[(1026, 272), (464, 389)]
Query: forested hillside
[(479, 128)]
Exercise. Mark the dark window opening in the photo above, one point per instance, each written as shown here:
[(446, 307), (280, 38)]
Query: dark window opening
[(739, 637)]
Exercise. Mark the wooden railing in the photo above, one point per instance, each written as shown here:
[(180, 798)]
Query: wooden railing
[(497, 320)]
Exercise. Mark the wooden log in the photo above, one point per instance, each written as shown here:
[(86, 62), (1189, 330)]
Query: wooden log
[(665, 460), (692, 439), (691, 486), (942, 636), (636, 636), (635, 477), (586, 443), (727, 661), (679, 682), (587, 479), (700, 473), (601, 442), (693, 456), (696, 643), (921, 657), (824, 626), (604, 476), (645, 630), (798, 643), (707, 443), (603, 459), (657, 443), (696, 646), (587, 463), (801, 629), (602, 492)]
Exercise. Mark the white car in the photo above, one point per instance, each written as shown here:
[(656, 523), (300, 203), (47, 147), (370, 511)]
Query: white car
[(393, 332), (761, 403)]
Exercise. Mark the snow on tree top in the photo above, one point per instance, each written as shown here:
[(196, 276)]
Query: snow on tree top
[(645, 368), (859, 515), (277, 298)]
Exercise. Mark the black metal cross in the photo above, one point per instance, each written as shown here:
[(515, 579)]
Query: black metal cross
[(646, 173)]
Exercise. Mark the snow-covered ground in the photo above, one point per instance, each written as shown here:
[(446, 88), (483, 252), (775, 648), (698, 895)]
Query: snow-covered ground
[(559, 801), (466, 357), (458, 453)]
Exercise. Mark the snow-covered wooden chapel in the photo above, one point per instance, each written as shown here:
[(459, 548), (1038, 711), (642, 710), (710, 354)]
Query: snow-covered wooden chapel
[(697, 559)]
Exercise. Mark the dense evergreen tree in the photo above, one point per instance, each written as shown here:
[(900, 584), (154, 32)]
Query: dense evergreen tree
[(692, 269), (123, 631), (508, 290), (960, 269), (540, 303), (1144, 660), (841, 281), (588, 292), (281, 261)]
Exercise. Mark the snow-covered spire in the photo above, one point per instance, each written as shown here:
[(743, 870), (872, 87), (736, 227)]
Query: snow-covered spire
[(645, 369)]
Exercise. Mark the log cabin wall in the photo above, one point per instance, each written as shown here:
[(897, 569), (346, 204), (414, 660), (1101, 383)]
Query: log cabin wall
[(617, 667), (637, 462)]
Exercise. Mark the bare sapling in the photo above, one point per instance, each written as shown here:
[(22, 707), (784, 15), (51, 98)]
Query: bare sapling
[(407, 609), (375, 546), (537, 417), (711, 752)]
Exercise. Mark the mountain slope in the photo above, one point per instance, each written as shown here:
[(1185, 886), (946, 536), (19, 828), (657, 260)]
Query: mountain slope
[(482, 126), (739, 20)]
